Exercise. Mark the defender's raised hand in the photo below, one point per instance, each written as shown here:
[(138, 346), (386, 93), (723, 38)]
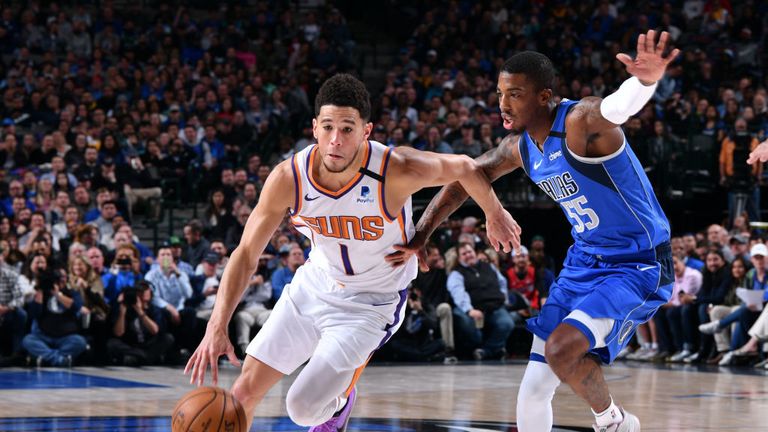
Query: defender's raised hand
[(650, 64)]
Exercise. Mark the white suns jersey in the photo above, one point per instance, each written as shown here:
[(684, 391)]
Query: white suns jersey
[(351, 230)]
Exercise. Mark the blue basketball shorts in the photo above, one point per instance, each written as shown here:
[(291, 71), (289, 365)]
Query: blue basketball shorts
[(628, 292)]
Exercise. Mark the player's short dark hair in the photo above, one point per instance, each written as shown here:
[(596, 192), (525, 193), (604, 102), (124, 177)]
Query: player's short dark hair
[(534, 65), (344, 90)]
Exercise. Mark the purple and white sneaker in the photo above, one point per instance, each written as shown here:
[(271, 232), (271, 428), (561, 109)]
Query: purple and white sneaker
[(339, 422)]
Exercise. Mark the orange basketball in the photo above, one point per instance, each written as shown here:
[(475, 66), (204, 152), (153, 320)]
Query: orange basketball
[(209, 409)]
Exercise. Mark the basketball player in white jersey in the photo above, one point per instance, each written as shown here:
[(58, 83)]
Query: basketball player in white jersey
[(352, 198)]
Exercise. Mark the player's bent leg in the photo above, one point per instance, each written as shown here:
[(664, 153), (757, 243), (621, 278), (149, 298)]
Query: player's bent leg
[(566, 353), (252, 385), (318, 393), (534, 400)]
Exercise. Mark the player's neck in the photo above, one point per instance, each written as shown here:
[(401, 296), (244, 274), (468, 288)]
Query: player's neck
[(539, 128), (337, 180)]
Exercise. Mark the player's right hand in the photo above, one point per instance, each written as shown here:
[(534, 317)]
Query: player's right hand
[(404, 252), (503, 231), (759, 154), (215, 343)]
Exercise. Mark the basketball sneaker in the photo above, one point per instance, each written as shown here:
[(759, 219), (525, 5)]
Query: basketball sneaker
[(339, 422), (630, 423)]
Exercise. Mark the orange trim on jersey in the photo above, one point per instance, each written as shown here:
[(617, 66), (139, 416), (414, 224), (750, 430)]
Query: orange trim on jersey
[(347, 186), (297, 181), (356, 377), (401, 221), (382, 200)]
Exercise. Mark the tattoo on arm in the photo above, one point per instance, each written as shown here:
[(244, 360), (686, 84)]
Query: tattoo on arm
[(495, 163)]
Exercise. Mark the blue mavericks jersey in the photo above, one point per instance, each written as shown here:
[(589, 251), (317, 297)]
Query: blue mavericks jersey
[(608, 200)]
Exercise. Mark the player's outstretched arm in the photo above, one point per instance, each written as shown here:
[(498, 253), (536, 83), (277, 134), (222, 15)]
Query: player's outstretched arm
[(759, 154), (495, 163), (594, 116), (276, 198), (418, 169)]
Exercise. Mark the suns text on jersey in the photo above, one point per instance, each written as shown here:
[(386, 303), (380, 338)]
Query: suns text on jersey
[(366, 228), (559, 186)]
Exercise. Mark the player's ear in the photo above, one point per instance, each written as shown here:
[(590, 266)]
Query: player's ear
[(545, 96), (314, 128), (367, 129)]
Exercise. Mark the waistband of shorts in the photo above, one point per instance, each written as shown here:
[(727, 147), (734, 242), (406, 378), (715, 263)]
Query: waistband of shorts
[(661, 251)]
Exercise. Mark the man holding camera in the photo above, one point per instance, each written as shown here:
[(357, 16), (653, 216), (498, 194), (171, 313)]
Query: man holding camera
[(54, 340), (138, 336), (741, 180)]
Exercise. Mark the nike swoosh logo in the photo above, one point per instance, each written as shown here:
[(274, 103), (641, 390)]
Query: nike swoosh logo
[(537, 164), (382, 304), (306, 197), (646, 268)]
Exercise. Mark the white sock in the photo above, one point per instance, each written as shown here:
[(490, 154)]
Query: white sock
[(611, 415), (645, 345), (655, 346)]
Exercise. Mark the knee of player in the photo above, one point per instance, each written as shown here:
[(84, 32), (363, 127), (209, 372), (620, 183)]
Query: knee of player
[(559, 353), (301, 410)]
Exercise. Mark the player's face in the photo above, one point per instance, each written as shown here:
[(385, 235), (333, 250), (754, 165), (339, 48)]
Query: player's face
[(340, 134), (519, 100)]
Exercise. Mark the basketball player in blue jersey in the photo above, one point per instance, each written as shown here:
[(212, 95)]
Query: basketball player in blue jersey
[(619, 270), (352, 198)]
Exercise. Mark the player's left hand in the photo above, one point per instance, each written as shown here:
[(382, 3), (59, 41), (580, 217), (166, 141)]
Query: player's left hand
[(503, 231), (649, 65), (404, 252), (759, 154)]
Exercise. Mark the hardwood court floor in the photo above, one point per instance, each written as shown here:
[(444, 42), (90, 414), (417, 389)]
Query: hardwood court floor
[(453, 397)]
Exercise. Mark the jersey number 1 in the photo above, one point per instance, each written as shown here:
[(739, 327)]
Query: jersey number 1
[(345, 260), (584, 217)]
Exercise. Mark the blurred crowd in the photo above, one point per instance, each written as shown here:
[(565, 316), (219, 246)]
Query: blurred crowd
[(111, 114)]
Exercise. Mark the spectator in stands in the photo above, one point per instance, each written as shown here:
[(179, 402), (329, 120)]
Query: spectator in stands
[(34, 265), (417, 340), (197, 245), (54, 339), (525, 300), (123, 273), (13, 317), (235, 230), (294, 258), (218, 215), (678, 337), (96, 260), (479, 292), (211, 280), (738, 314), (171, 289), (138, 332), (740, 178), (714, 286), (433, 291), (108, 212), (467, 144), (689, 246), (254, 311), (141, 185)]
